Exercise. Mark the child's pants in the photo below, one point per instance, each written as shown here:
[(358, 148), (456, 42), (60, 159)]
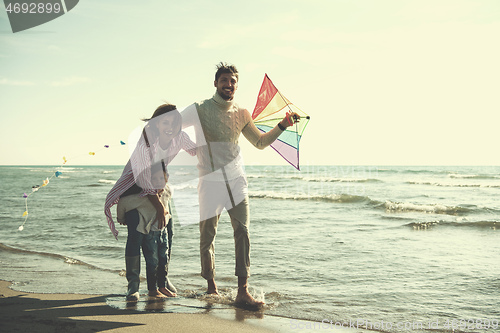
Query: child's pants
[(155, 248)]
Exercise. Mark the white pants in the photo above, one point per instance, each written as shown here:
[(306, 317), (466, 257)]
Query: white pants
[(214, 196)]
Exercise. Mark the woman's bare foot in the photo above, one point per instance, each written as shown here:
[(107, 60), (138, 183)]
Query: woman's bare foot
[(212, 287), (133, 297), (167, 292), (156, 293)]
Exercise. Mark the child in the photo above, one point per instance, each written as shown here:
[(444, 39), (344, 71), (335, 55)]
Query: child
[(140, 216)]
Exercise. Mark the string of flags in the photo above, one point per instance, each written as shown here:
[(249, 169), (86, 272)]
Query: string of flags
[(46, 181)]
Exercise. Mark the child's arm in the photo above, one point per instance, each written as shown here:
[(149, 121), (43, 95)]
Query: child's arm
[(161, 210)]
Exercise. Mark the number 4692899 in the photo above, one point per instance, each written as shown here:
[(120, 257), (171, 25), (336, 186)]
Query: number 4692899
[(33, 8)]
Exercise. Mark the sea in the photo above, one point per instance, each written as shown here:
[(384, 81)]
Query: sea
[(383, 248)]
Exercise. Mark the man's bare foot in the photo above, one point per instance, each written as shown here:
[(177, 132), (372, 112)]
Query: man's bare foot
[(243, 298), (167, 292), (212, 287), (156, 293)]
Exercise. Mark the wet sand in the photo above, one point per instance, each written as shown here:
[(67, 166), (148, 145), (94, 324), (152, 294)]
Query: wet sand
[(28, 312)]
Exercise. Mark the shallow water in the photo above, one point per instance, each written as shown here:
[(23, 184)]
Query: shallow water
[(409, 247)]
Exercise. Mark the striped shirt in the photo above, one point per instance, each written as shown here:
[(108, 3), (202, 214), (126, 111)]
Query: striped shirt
[(138, 171)]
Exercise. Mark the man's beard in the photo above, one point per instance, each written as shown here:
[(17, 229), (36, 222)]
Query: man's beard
[(226, 96)]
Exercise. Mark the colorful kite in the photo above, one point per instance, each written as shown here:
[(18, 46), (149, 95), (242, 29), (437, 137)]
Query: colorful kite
[(270, 109)]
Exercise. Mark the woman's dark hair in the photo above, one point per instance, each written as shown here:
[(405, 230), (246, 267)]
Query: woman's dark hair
[(150, 128), (162, 109)]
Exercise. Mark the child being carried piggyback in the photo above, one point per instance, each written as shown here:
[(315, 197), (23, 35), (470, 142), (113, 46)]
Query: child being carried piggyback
[(140, 216)]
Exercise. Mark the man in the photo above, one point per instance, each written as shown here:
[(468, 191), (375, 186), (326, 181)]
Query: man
[(218, 122)]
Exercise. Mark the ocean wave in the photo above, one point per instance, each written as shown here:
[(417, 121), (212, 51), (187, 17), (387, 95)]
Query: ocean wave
[(336, 198), (317, 179), (274, 176), (462, 176), (106, 181), (184, 173), (66, 259), (342, 180), (184, 186), (401, 170), (255, 176), (65, 169), (494, 225), (50, 169), (451, 185), (424, 208)]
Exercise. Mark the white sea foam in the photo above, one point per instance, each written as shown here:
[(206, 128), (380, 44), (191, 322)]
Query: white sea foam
[(442, 184), (184, 186), (473, 176), (106, 181), (183, 173), (424, 208), (341, 180), (339, 198)]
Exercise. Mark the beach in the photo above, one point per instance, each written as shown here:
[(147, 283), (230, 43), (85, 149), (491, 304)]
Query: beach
[(22, 312)]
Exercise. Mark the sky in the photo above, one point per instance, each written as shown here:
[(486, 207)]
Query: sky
[(386, 82)]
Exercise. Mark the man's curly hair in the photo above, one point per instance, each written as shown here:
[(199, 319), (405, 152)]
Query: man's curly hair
[(223, 68)]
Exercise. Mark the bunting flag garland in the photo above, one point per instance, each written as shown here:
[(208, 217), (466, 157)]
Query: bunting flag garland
[(46, 182)]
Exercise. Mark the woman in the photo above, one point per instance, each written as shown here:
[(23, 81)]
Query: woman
[(161, 141)]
